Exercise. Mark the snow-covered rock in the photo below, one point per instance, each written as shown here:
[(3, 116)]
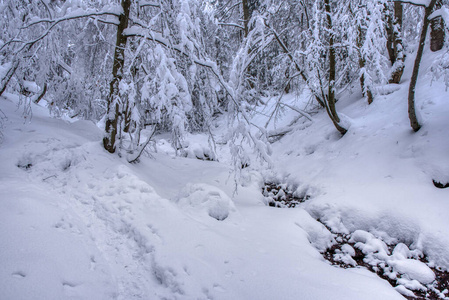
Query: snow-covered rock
[(206, 198), (414, 270)]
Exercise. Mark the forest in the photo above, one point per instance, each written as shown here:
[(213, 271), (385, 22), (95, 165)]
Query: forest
[(176, 64), (162, 136)]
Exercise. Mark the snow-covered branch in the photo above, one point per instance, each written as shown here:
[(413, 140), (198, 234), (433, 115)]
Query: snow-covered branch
[(148, 4), (232, 24), (423, 3), (71, 16), (443, 13), (78, 14), (212, 67)]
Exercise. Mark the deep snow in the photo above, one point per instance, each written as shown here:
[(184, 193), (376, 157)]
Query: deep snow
[(79, 223)]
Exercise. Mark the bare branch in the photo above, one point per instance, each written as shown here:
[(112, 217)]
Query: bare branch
[(41, 95), (421, 3), (53, 23), (149, 4), (47, 9), (8, 76), (232, 24)]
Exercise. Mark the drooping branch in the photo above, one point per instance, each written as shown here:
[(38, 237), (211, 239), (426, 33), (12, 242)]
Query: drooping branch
[(421, 3), (232, 25), (211, 66), (53, 23), (78, 14), (148, 4), (9, 74), (322, 100)]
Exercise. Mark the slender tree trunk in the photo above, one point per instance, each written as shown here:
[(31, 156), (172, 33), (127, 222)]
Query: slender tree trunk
[(366, 91), (8, 76), (411, 92), (437, 33), (41, 95), (330, 107), (332, 63), (113, 112), (246, 16), (398, 49)]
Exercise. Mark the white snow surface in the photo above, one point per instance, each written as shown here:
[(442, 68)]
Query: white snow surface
[(378, 176), (79, 223)]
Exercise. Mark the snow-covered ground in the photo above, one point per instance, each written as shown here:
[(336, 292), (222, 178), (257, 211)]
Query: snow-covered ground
[(79, 223)]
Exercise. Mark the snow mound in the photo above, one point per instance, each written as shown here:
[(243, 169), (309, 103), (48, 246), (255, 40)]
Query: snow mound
[(368, 244), (208, 199), (414, 270), (198, 151), (387, 89)]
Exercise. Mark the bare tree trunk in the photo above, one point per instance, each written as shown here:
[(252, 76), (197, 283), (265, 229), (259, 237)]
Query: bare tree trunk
[(332, 64), (390, 35), (437, 33), (322, 100), (330, 107), (411, 92), (366, 91), (246, 16), (113, 112)]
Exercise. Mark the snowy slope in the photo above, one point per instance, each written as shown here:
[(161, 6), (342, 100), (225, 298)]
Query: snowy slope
[(378, 177), (79, 223)]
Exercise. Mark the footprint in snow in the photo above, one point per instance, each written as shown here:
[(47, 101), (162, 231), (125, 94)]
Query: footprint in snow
[(19, 274)]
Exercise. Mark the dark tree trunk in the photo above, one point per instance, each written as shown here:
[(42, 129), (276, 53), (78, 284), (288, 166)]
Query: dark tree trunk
[(248, 7), (8, 76), (330, 107), (113, 112), (411, 92), (390, 36), (396, 49), (437, 33), (332, 64), (41, 95), (246, 16)]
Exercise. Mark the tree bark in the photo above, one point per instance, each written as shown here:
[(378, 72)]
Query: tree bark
[(113, 113), (390, 35), (437, 33), (398, 49), (414, 123), (330, 107), (332, 64), (41, 95), (246, 16)]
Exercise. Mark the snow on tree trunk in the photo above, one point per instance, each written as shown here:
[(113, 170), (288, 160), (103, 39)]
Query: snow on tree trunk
[(397, 56), (113, 113), (437, 33)]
